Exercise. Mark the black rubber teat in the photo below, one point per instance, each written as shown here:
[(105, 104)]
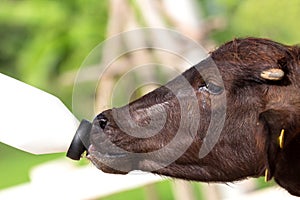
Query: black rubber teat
[(80, 141)]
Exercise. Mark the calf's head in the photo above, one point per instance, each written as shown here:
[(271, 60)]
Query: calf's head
[(219, 121)]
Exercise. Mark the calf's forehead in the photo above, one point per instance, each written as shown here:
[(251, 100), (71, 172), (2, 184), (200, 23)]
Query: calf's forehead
[(250, 53)]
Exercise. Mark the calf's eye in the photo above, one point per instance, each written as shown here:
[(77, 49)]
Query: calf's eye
[(211, 88), (214, 89)]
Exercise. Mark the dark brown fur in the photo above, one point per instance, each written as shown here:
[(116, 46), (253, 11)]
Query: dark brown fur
[(256, 111)]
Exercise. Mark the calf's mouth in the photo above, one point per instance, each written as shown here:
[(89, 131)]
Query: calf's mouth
[(104, 154)]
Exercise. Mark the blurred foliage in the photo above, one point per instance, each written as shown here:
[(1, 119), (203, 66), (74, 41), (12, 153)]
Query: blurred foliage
[(41, 40), (16, 164), (273, 19)]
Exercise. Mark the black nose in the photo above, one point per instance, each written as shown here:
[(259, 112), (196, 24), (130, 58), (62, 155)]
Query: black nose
[(102, 120)]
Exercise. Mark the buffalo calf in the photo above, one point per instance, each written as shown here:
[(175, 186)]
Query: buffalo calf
[(234, 115)]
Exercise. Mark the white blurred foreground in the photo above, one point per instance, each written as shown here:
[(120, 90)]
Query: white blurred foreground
[(61, 179)]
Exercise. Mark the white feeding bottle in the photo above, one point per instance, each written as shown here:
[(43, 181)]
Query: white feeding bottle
[(37, 122)]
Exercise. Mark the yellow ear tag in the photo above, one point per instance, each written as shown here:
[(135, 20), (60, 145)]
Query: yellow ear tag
[(281, 139), (266, 175)]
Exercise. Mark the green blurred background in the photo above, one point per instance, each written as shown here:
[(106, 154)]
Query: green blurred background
[(43, 41)]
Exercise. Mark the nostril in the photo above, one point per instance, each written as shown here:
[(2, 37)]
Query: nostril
[(102, 120)]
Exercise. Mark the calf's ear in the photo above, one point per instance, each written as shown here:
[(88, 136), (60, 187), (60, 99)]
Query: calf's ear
[(282, 133)]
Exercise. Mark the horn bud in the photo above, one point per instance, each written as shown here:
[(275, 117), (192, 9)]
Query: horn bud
[(273, 74)]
